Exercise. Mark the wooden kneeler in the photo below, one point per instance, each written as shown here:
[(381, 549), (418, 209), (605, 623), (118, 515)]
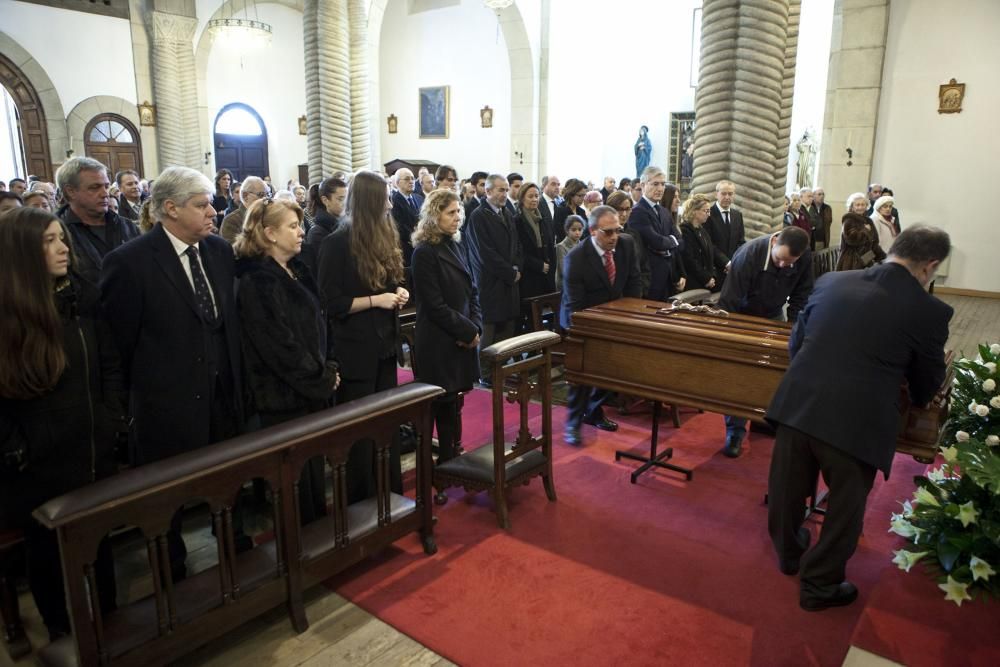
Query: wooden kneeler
[(499, 466)]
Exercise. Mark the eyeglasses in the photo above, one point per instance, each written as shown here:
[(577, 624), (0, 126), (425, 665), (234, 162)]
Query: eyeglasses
[(627, 209), (611, 231), (259, 195)]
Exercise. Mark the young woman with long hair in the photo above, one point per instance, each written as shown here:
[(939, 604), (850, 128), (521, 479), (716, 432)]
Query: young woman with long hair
[(449, 319), (360, 274), (60, 397)]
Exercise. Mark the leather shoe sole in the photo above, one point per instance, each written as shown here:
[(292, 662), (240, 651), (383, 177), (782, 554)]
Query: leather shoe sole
[(604, 424), (791, 567), (845, 595), (733, 451)]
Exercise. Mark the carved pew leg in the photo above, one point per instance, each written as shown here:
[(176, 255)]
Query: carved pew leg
[(550, 487), (500, 500)]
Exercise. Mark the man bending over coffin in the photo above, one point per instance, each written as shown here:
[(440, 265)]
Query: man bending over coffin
[(860, 335), (597, 270), (766, 274)]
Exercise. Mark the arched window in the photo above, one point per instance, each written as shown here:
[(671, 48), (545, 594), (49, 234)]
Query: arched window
[(113, 140), (240, 141), (239, 120)]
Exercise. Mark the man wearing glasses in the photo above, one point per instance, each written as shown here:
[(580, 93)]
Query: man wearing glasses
[(655, 226), (253, 188), (599, 269)]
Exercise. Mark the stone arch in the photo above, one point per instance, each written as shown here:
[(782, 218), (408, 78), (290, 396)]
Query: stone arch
[(82, 113), (523, 85), (48, 97), (203, 49)]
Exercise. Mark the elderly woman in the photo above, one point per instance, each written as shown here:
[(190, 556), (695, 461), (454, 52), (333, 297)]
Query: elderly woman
[(289, 366), (537, 239), (884, 221), (449, 320), (794, 209), (622, 203), (592, 200), (360, 272), (573, 194), (859, 246), (703, 262), (36, 199)]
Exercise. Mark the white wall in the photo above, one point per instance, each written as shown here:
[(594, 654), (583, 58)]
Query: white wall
[(615, 67), (460, 47), (939, 164), (83, 54), (809, 98), (270, 79)]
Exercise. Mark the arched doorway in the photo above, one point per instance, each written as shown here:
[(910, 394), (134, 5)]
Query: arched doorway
[(30, 118), (240, 141), (114, 141)]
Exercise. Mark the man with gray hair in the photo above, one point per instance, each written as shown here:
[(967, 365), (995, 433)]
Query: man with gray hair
[(169, 299), (253, 188), (95, 229), (405, 211), (662, 240), (498, 258)]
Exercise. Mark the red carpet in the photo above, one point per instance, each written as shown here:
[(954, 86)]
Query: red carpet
[(639, 574)]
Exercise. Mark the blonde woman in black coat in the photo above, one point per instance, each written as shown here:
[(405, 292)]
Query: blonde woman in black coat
[(703, 262), (289, 366), (449, 320)]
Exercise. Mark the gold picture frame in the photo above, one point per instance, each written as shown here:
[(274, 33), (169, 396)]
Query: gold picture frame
[(486, 116), (950, 96), (303, 126), (147, 114), (393, 123)]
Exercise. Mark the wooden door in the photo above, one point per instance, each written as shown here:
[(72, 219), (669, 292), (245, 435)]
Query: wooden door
[(241, 142), (31, 118), (115, 142)]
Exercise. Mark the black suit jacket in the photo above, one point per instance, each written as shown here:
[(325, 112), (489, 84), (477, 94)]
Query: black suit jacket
[(447, 312), (585, 280), (860, 335), (702, 260), (472, 206), (359, 339), (729, 238), (126, 211), (543, 208), (501, 259), (533, 281), (166, 346), (406, 222), (663, 245)]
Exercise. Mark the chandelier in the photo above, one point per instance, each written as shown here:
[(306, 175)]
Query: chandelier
[(242, 30)]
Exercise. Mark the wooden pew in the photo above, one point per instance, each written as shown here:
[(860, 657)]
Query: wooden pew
[(178, 617)]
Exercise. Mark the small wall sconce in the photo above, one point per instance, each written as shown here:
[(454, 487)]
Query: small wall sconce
[(393, 123), (850, 157), (303, 128), (208, 154), (520, 156), (69, 153)]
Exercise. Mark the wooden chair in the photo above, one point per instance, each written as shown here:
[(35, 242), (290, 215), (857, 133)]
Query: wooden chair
[(544, 314), (500, 465), (11, 551)]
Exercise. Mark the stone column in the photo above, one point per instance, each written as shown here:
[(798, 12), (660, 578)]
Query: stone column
[(738, 103), (785, 124), (175, 90), (326, 39), (361, 147), (853, 89)]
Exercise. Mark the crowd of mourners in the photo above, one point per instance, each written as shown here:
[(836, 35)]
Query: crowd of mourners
[(142, 320)]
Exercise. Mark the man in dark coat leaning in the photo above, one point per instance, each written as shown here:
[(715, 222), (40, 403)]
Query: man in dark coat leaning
[(599, 269), (836, 410), (500, 258)]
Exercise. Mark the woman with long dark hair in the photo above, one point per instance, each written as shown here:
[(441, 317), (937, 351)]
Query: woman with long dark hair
[(449, 319), (60, 397), (573, 194), (328, 206), (221, 201), (360, 275), (289, 366)]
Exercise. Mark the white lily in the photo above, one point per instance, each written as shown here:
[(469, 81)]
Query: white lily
[(937, 475), (967, 514), (955, 591), (950, 454), (980, 569), (907, 559), (901, 526), (995, 348), (925, 497)]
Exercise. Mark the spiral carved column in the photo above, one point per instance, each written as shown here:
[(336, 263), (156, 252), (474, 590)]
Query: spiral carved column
[(785, 126), (361, 146), (175, 89), (738, 104), (326, 39)]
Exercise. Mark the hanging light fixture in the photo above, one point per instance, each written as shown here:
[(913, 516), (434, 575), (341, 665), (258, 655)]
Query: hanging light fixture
[(497, 5), (242, 30)]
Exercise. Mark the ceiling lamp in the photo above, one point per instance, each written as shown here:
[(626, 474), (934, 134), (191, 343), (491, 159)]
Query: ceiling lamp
[(497, 5), (242, 30)]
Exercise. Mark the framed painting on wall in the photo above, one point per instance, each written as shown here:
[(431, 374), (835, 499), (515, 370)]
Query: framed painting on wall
[(434, 112), (682, 151)]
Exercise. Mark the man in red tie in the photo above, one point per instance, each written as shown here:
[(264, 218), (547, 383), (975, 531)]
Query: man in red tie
[(598, 270)]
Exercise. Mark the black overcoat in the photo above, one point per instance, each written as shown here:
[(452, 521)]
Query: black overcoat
[(499, 251)]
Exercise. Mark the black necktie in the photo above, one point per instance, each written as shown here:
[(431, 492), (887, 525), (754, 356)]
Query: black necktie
[(413, 204), (725, 215), (201, 293)]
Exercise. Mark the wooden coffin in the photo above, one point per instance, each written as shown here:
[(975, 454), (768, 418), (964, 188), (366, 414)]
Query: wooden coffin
[(729, 364)]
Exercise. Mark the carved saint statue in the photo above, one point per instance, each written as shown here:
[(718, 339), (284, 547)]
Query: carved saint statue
[(807, 159), (643, 149)]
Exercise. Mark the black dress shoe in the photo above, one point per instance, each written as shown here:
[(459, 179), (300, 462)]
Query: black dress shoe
[(733, 448), (791, 567), (603, 423), (845, 595), (440, 498), (572, 437)]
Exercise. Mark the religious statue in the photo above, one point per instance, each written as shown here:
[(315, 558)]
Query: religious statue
[(807, 159), (643, 150)]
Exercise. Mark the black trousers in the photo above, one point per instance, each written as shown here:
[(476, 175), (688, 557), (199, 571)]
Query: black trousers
[(46, 578), (796, 462), (312, 481), (446, 420), (361, 461), (584, 401)]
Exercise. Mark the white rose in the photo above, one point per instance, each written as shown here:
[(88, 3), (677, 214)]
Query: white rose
[(973, 406), (995, 402), (990, 366), (993, 440), (989, 385), (995, 348), (962, 436), (982, 410)]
